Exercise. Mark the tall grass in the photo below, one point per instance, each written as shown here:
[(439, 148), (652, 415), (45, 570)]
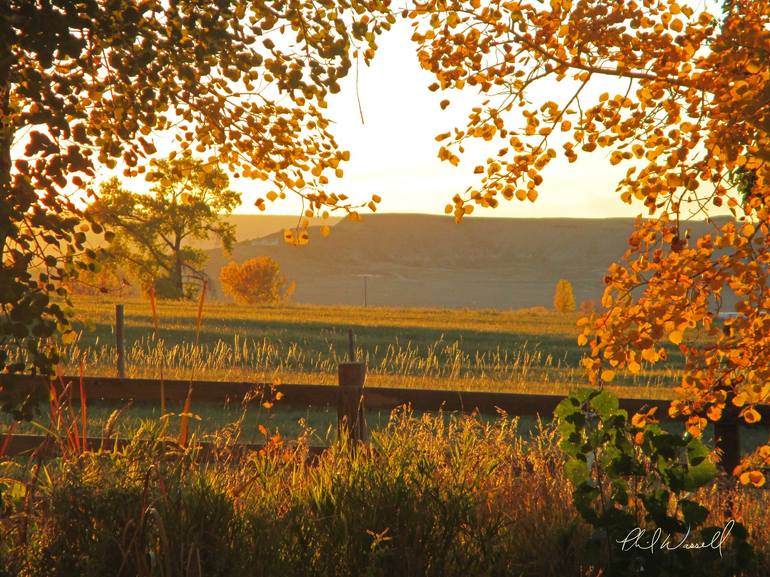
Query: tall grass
[(430, 496), (440, 364)]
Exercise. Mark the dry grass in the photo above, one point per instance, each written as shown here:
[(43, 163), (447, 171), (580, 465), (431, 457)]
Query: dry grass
[(431, 496)]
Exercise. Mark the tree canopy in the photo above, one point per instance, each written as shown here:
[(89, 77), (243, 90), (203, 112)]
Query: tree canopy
[(563, 297), (692, 122), (153, 231), (89, 82)]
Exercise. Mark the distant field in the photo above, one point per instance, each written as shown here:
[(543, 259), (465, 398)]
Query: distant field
[(532, 350)]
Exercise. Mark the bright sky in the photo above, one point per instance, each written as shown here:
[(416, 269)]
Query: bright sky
[(394, 154)]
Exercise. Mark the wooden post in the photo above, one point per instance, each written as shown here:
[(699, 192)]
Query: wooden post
[(727, 438), (350, 403), (119, 342), (351, 346)]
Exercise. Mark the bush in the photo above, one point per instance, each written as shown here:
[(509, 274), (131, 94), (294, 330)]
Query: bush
[(255, 281), (633, 480)]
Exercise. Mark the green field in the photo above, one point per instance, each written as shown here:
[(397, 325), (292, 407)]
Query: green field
[(531, 350)]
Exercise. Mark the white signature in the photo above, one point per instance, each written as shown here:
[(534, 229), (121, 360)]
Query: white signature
[(636, 540)]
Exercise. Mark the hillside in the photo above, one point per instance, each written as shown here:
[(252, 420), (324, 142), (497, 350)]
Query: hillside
[(425, 260), (249, 226)]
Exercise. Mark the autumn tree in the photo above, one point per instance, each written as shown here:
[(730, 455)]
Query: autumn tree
[(257, 280), (153, 231), (563, 298), (689, 117), (241, 84)]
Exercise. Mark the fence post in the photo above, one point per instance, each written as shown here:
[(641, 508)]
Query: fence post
[(350, 403), (351, 346), (727, 438), (119, 342)]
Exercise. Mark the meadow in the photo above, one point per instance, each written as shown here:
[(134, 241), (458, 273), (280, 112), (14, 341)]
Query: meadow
[(530, 350), (430, 494)]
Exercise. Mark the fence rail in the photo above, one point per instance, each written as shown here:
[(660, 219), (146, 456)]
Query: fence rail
[(350, 397)]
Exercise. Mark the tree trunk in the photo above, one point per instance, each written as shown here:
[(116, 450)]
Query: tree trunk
[(177, 274), (6, 140)]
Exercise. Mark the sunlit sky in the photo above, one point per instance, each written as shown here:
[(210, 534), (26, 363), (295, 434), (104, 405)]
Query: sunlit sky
[(394, 153)]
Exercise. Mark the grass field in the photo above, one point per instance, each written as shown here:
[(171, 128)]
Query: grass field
[(487, 495), (531, 350)]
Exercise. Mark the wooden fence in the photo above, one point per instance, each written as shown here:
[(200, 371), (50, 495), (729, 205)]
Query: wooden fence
[(350, 397)]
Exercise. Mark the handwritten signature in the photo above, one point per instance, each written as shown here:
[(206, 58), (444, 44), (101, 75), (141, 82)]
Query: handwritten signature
[(637, 539)]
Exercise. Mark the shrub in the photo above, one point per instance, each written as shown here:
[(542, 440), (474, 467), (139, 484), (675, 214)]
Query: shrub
[(588, 307), (634, 480), (257, 280)]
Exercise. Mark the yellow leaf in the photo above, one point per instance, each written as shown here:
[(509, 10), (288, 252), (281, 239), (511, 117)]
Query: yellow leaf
[(744, 478), (740, 399), (675, 337), (757, 479), (751, 416), (753, 477), (608, 375)]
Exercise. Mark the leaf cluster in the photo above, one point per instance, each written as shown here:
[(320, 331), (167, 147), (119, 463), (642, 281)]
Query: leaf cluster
[(631, 475)]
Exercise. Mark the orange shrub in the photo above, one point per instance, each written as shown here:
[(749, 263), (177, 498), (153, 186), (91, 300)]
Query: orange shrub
[(257, 280)]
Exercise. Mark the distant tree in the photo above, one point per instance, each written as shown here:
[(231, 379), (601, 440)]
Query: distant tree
[(563, 298), (257, 280), (188, 201)]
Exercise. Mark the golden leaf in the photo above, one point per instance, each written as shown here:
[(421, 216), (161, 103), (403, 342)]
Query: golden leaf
[(751, 416), (608, 375)]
